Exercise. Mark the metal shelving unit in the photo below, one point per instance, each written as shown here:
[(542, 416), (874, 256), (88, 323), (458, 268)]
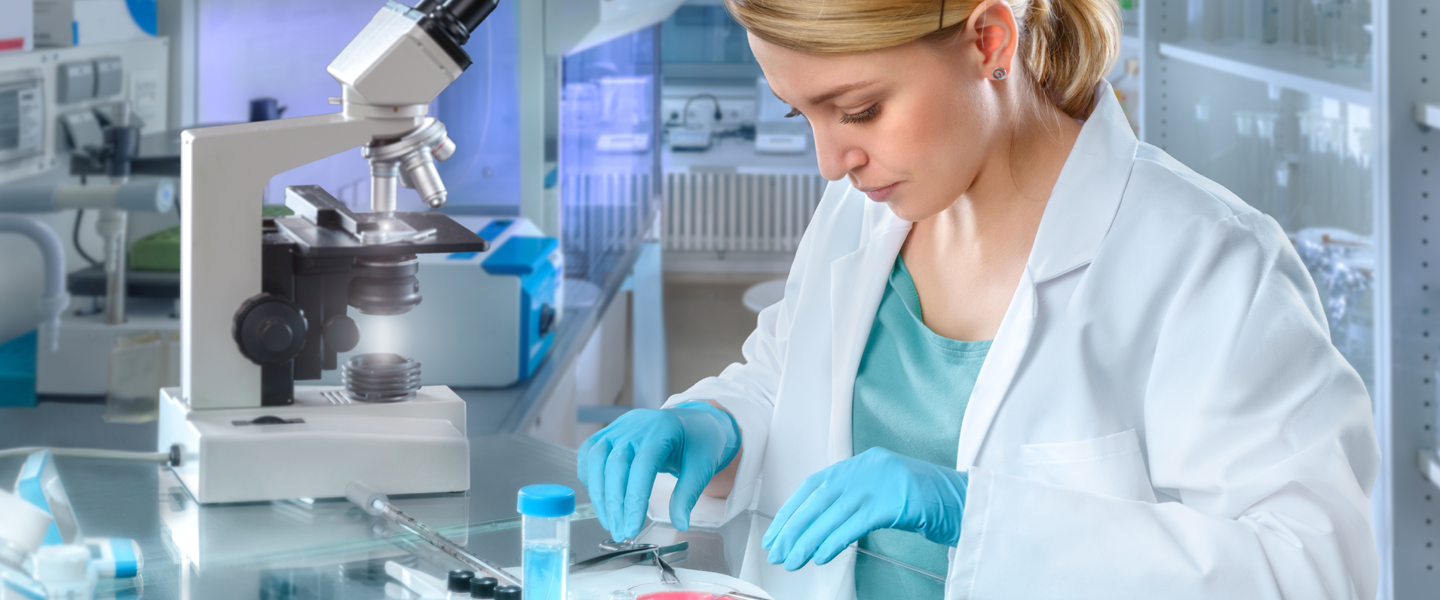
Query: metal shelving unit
[(1365, 134), (1284, 65)]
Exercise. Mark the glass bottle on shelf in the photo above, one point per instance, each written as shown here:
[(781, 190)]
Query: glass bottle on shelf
[(1262, 21), (1206, 21), (1306, 26), (1234, 19)]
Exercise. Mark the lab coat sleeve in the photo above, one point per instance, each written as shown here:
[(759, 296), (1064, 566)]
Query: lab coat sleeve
[(1260, 426), (747, 390)]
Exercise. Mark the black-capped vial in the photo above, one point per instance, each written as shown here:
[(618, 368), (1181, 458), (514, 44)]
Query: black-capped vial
[(459, 581), (507, 592), (483, 587)]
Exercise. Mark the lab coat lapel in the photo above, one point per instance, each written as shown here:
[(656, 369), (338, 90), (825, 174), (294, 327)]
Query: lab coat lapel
[(1004, 358), (857, 283), (1078, 215)]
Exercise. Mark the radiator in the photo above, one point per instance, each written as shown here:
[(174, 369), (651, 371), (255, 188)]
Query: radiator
[(602, 216), (738, 212)]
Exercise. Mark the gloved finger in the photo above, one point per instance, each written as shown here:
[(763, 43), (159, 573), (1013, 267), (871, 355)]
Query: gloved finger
[(802, 493), (691, 483), (857, 526), (800, 522), (840, 511), (617, 471), (595, 478), (637, 490)]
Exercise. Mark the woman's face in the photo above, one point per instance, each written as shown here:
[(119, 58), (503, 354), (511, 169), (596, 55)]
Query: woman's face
[(910, 125)]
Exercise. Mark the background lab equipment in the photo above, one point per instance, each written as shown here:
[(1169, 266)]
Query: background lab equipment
[(257, 316), (88, 118), (498, 309), (54, 299), (81, 364), (775, 132), (742, 180)]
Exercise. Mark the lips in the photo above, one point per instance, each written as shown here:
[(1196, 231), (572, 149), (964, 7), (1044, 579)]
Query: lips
[(881, 193)]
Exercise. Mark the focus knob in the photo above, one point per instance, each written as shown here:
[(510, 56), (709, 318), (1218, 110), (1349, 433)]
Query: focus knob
[(275, 335), (341, 333), (269, 329)]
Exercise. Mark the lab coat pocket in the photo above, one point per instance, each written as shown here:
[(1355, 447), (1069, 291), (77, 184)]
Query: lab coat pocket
[(1111, 465)]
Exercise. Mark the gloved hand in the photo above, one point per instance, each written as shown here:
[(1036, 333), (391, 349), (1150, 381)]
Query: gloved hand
[(692, 441), (878, 489)]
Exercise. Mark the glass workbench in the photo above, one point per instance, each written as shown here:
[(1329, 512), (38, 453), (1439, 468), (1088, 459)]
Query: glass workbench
[(328, 549)]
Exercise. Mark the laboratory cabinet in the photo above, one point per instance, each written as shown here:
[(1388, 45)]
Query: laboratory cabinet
[(1313, 111)]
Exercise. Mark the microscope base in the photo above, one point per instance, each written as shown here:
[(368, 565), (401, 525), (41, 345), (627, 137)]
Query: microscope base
[(324, 443)]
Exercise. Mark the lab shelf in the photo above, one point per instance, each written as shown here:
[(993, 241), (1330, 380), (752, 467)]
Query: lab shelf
[(1280, 64)]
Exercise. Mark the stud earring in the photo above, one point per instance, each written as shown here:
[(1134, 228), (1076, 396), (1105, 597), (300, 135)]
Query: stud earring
[(999, 74)]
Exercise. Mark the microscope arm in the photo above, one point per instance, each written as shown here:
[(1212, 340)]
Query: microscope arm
[(225, 170)]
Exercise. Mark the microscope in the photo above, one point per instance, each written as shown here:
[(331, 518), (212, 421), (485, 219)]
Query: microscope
[(264, 300)]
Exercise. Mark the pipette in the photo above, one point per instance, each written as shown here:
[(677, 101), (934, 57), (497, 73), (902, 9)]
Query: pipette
[(379, 505)]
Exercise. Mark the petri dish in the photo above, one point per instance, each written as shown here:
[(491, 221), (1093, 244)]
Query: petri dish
[(681, 591)]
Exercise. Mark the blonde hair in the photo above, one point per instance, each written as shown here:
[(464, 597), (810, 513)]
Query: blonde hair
[(1066, 46)]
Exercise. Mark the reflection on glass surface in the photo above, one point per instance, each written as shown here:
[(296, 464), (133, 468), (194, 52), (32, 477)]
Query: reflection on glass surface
[(481, 113), (702, 42), (301, 549), (607, 163), (1305, 160)]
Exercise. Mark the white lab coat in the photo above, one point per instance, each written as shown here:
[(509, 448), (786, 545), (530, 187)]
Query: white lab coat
[(1161, 415)]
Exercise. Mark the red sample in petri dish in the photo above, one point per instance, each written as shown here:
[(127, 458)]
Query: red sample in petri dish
[(680, 595)]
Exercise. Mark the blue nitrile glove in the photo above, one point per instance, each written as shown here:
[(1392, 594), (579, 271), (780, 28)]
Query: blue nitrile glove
[(692, 441), (878, 489)]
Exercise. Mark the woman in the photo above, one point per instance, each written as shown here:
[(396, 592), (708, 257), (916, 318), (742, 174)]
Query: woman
[(1017, 347)]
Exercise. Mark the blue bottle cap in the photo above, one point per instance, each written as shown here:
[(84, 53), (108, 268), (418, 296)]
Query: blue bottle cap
[(546, 500)]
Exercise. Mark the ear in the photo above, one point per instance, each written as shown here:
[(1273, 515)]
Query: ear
[(996, 35)]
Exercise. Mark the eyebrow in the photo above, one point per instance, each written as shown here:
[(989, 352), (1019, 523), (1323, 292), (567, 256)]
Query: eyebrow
[(834, 92)]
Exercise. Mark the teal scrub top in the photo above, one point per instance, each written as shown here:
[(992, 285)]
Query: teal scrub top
[(910, 396)]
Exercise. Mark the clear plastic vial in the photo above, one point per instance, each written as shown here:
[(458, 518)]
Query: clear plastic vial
[(15, 582), (22, 529), (545, 540)]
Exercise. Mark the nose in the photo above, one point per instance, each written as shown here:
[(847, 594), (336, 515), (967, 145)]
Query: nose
[(836, 155)]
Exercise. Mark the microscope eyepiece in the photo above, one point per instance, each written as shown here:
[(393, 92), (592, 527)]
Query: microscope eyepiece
[(450, 22), (471, 12)]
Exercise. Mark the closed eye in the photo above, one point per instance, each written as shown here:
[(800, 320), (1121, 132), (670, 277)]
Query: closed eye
[(862, 116)]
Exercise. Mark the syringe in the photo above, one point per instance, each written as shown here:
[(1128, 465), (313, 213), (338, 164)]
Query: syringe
[(378, 504)]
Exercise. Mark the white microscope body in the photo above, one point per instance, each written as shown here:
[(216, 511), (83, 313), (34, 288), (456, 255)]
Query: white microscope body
[(239, 427)]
